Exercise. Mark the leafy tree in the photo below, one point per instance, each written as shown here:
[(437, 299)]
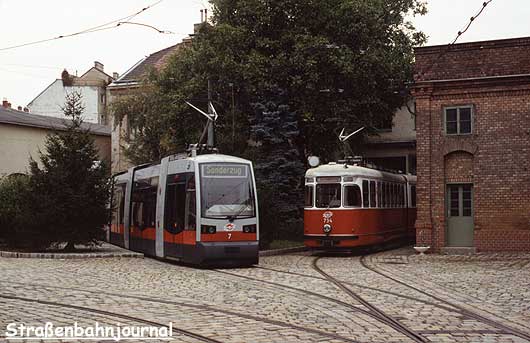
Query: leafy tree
[(338, 63), (344, 63), (69, 194)]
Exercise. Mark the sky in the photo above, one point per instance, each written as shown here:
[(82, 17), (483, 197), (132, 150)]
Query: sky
[(26, 71)]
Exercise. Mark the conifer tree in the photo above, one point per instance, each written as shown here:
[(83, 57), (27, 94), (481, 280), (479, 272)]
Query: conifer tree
[(70, 191)]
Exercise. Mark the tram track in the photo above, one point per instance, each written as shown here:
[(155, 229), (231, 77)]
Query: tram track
[(209, 308), (111, 314), (403, 296), (460, 309), (442, 303), (299, 290), (378, 313)]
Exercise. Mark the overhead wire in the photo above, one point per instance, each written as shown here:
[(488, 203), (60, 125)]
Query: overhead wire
[(146, 25), (97, 28), (459, 34)]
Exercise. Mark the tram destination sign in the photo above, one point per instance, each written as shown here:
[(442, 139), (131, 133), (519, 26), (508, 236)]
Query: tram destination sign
[(224, 170)]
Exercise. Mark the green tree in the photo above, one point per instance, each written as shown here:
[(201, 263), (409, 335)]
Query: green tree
[(338, 63), (343, 63), (70, 192), (274, 131), (15, 215)]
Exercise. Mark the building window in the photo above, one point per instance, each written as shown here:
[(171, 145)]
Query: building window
[(458, 120)]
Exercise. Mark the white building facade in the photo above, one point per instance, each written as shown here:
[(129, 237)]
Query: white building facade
[(91, 85)]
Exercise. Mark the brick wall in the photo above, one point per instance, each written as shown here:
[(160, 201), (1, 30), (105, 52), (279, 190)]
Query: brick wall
[(476, 59), (495, 157), (458, 167)]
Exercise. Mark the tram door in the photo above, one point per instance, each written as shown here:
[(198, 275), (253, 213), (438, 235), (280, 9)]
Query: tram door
[(460, 224)]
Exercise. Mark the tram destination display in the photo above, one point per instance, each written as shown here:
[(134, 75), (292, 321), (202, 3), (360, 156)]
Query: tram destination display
[(224, 171)]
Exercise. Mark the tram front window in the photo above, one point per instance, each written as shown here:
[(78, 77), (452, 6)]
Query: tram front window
[(227, 191), (328, 195)]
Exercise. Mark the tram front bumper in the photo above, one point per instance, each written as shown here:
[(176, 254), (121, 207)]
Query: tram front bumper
[(236, 252)]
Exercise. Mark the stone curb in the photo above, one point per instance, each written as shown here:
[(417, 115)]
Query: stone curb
[(282, 251), (14, 254)]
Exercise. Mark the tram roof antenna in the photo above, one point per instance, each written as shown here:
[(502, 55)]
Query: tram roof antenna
[(215, 115), (210, 117), (344, 138)]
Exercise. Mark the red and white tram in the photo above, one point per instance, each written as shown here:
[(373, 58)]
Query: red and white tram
[(349, 205), (201, 209)]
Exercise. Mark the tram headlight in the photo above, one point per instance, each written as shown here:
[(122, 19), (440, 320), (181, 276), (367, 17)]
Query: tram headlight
[(326, 228), (249, 228), (208, 229)]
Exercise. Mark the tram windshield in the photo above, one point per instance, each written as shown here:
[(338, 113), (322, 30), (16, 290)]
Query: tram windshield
[(227, 191), (328, 195)]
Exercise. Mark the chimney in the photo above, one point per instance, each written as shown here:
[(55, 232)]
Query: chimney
[(98, 65), (115, 76), (19, 108), (26, 109), (6, 104)]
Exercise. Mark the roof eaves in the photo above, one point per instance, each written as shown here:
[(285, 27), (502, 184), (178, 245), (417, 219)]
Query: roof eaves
[(101, 71), (130, 69), (44, 90)]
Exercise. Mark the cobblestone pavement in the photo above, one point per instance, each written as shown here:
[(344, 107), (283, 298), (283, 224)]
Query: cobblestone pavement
[(482, 298)]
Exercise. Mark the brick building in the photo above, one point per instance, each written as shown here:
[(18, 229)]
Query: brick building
[(473, 145)]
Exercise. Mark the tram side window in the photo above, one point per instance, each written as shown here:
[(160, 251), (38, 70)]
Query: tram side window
[(391, 194), (379, 194), (118, 203), (412, 196), (366, 194), (144, 203), (385, 194), (191, 204), (372, 194), (396, 196), (121, 206), (401, 196), (308, 196), (175, 207), (352, 196)]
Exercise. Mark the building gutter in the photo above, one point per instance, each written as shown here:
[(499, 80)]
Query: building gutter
[(482, 78)]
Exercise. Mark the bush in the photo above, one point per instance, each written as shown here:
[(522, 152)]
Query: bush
[(15, 213)]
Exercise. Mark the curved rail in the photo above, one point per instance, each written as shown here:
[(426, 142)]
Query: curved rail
[(195, 306), (381, 316), (112, 314), (462, 310)]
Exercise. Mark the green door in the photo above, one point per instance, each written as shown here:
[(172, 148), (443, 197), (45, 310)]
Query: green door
[(460, 215)]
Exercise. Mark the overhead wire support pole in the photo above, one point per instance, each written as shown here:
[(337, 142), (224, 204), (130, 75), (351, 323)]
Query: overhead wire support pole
[(211, 123)]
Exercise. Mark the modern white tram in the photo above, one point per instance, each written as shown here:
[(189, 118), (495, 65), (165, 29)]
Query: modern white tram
[(201, 210)]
